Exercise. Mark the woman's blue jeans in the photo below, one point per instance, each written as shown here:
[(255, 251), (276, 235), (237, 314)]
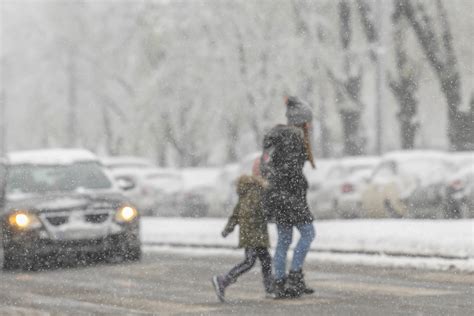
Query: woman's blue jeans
[(285, 236)]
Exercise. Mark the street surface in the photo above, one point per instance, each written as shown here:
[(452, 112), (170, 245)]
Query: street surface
[(170, 283)]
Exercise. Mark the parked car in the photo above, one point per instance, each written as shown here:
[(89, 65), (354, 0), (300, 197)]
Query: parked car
[(225, 193), (459, 201), (155, 190), (205, 191), (324, 200), (62, 202), (316, 177), (463, 159), (195, 202), (348, 202), (407, 184), (166, 187)]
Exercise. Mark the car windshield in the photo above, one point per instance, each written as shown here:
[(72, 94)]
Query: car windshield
[(56, 178)]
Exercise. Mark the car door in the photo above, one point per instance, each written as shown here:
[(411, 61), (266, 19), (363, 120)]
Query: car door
[(322, 200), (375, 193)]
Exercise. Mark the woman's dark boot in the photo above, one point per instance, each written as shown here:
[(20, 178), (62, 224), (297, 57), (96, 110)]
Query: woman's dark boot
[(297, 285), (283, 292), (279, 289)]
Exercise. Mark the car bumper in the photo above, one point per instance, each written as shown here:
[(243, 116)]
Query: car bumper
[(37, 242), (350, 205)]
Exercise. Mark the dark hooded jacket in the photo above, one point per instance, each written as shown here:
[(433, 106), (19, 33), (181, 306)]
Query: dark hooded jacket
[(282, 165), (249, 213)]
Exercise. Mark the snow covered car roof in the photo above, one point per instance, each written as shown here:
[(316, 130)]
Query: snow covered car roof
[(51, 157), (415, 155), (143, 172), (126, 162), (463, 173), (359, 161), (462, 159)]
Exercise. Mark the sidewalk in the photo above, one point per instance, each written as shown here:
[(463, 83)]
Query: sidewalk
[(444, 239)]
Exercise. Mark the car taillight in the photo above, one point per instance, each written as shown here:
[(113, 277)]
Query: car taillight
[(456, 184), (347, 188)]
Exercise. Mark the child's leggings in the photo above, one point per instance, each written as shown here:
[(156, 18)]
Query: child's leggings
[(251, 255)]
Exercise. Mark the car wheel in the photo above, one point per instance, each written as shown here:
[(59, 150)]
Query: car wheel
[(452, 210), (391, 210)]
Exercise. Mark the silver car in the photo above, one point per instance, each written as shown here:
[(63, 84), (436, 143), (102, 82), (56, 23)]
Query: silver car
[(61, 203)]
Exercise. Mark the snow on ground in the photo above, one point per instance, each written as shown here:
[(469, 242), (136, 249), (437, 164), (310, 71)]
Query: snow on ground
[(437, 244), (431, 263)]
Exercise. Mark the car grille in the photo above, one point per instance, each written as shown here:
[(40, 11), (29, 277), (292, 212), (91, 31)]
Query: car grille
[(64, 218), (97, 218), (58, 220)]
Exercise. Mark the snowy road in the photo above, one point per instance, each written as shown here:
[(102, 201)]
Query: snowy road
[(168, 282)]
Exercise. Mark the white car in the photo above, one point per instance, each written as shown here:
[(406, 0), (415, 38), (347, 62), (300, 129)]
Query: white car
[(462, 160), (407, 184), (166, 187), (324, 200), (154, 190), (226, 196), (60, 202), (349, 200)]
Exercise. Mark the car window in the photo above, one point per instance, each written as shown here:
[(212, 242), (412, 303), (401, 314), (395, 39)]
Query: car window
[(47, 178), (353, 169), (385, 170)]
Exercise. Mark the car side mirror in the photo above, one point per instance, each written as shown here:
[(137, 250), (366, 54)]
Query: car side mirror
[(125, 184)]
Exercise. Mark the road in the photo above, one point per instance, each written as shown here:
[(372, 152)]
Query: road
[(170, 283)]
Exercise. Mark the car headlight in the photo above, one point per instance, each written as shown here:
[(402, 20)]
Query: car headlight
[(126, 214), (24, 220)]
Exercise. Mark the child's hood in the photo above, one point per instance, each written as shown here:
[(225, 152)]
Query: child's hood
[(248, 183)]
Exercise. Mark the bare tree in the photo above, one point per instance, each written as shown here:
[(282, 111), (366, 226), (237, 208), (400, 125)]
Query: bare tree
[(348, 87), (313, 40), (405, 85), (438, 49)]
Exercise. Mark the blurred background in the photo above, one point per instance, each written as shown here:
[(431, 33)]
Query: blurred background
[(191, 87), (198, 82)]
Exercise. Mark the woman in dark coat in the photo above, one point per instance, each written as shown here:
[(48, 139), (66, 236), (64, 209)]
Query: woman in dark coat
[(286, 149)]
